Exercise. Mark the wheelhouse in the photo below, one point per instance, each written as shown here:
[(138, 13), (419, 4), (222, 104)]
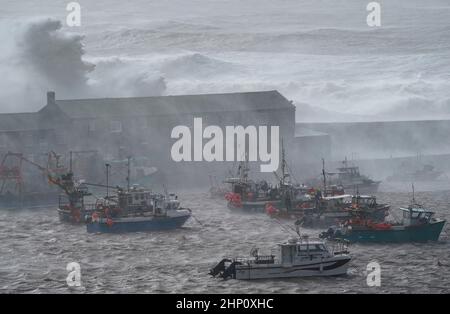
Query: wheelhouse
[(295, 251), (364, 200), (416, 216)]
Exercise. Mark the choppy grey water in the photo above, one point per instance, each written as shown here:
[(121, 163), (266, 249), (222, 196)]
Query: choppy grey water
[(35, 249)]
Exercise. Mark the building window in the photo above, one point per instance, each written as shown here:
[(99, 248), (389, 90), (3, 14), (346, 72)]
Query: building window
[(116, 127)]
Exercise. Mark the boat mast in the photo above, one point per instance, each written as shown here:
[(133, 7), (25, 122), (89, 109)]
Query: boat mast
[(107, 179), (324, 176), (284, 175), (128, 173), (70, 162), (244, 168)]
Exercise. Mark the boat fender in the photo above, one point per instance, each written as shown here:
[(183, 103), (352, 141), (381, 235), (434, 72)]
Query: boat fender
[(76, 214), (109, 222), (95, 217)]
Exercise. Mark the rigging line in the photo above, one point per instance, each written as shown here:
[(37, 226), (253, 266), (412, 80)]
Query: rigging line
[(292, 174), (286, 228), (195, 218)]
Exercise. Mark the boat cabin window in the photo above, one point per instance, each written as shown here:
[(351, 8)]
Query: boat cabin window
[(417, 215), (411, 214), (311, 248), (364, 200)]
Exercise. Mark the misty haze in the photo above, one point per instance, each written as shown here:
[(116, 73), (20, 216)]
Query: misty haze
[(87, 113)]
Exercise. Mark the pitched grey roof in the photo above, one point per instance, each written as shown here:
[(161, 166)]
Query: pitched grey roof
[(165, 105), (21, 122)]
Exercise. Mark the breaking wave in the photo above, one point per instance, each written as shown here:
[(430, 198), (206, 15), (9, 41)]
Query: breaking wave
[(340, 69), (40, 56), (195, 64)]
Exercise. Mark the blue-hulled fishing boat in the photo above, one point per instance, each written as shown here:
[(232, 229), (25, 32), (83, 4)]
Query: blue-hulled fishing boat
[(136, 210)]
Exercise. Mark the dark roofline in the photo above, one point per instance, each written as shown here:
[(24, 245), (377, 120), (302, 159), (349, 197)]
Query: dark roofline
[(172, 104), (170, 96)]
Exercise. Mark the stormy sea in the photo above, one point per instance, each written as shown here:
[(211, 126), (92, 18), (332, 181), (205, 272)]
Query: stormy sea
[(36, 249)]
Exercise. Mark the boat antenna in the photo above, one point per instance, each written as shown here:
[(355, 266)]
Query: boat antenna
[(128, 172), (283, 163), (413, 198), (107, 179), (324, 176), (297, 228), (70, 162)]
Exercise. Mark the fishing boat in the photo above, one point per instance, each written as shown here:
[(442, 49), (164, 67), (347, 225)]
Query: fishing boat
[(137, 210), (72, 207), (251, 196), (331, 210), (417, 225), (351, 179), (317, 210), (246, 194), (299, 257), (125, 210)]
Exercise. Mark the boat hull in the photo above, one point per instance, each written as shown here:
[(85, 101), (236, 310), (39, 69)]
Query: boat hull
[(137, 224), (423, 233), (328, 267), (313, 219)]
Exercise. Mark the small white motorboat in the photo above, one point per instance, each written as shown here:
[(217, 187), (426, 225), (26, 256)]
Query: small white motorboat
[(298, 257)]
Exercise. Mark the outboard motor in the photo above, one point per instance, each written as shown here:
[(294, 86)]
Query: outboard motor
[(219, 267), (230, 271)]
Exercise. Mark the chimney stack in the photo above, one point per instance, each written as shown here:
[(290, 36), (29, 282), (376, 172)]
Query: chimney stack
[(50, 98)]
